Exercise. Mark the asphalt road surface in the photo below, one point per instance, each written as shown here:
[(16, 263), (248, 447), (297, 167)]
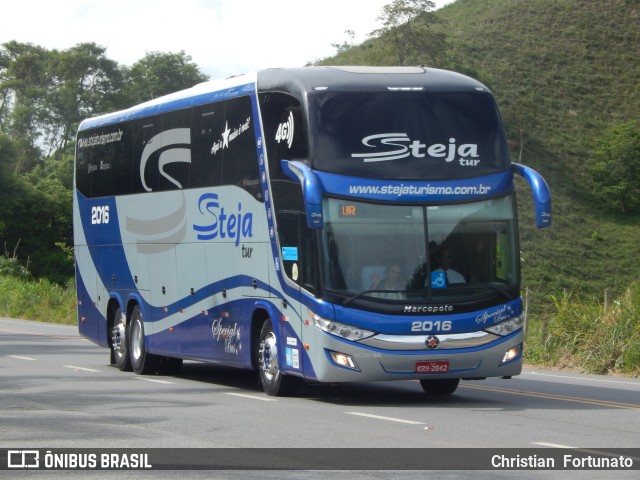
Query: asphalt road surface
[(57, 391)]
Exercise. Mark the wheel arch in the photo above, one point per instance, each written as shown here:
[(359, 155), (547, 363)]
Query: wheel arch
[(115, 302), (260, 315)]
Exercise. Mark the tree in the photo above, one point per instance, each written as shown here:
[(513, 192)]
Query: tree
[(345, 45), (44, 94), (617, 170), (24, 84), (408, 27), (10, 190), (161, 73), (85, 83)]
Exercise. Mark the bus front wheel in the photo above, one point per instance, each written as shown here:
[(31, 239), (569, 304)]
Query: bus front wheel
[(273, 382), (441, 386)]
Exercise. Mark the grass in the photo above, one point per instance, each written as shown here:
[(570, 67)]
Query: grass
[(39, 300), (584, 335)]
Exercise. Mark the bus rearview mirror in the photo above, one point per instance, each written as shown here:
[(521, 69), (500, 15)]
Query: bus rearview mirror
[(311, 190), (541, 194)]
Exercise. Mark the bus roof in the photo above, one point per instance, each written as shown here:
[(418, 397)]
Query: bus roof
[(298, 82), (362, 78)]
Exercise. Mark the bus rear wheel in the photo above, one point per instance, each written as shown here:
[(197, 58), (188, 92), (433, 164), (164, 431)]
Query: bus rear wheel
[(142, 362), (441, 386), (120, 343), (273, 382)]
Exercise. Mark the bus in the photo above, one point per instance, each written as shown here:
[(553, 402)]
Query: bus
[(318, 224)]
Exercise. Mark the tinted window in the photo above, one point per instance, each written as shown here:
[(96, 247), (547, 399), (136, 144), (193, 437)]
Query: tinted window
[(209, 145), (284, 130), (103, 161), (407, 135)]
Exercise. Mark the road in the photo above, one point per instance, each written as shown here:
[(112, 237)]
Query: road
[(58, 391)]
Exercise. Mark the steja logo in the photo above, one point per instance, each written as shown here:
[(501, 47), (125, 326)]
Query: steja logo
[(222, 224), (395, 146)]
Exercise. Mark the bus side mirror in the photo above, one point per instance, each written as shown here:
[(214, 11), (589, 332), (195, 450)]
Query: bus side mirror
[(541, 194), (311, 190)]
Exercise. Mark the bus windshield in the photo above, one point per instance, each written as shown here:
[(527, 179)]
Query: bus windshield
[(407, 135), (430, 253)]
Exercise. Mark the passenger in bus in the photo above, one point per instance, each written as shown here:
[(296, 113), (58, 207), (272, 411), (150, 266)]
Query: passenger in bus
[(444, 265), (392, 283)]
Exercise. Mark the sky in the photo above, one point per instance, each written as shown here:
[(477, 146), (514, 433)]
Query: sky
[(223, 37)]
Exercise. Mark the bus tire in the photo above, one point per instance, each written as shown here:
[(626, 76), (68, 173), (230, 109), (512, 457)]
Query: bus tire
[(142, 362), (441, 386), (273, 381), (120, 342)]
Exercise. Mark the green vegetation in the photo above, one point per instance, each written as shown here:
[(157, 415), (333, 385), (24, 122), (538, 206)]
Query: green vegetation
[(586, 335), (565, 74), (617, 171), (22, 296)]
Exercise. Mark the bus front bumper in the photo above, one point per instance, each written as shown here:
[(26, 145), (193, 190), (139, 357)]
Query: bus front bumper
[(416, 357)]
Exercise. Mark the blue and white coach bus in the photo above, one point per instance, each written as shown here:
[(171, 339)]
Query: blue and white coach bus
[(328, 224)]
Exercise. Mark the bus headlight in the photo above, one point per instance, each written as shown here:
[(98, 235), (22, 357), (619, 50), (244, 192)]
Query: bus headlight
[(507, 327), (341, 330)]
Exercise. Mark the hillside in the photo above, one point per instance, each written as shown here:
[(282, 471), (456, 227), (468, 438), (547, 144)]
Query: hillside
[(563, 71)]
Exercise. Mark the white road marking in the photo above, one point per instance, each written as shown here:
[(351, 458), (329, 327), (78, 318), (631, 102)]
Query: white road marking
[(155, 380), (389, 419), (19, 357), (253, 397), (82, 369), (585, 450), (588, 379), (552, 445)]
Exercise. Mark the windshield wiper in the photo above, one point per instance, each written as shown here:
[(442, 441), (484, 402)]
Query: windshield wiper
[(366, 292), (501, 290)]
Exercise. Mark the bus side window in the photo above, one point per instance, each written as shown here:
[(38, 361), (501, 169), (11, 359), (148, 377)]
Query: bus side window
[(148, 173), (236, 147), (206, 171), (122, 164), (84, 157)]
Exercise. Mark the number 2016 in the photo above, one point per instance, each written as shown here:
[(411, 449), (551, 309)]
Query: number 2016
[(429, 326), (100, 214)]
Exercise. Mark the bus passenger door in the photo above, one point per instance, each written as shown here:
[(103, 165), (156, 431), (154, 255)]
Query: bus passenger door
[(297, 253)]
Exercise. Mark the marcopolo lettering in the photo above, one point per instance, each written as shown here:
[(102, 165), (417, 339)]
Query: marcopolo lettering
[(427, 308), (223, 224)]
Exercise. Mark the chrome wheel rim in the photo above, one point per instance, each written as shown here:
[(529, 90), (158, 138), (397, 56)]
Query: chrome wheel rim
[(269, 357)]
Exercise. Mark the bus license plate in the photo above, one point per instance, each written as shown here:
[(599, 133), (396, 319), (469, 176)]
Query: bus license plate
[(436, 366)]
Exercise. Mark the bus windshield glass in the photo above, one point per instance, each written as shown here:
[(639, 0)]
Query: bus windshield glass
[(407, 135), (430, 253)]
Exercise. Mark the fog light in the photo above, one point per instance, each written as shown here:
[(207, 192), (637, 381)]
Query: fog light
[(343, 360), (511, 354)]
